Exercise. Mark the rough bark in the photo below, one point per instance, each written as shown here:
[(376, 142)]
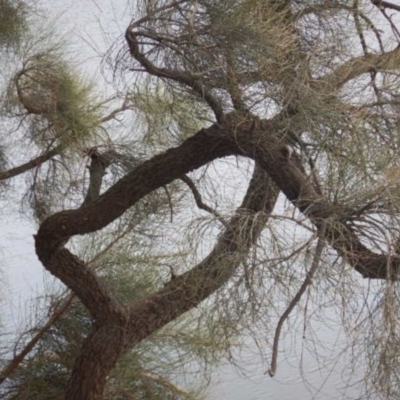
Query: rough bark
[(118, 326), (109, 340), (100, 352)]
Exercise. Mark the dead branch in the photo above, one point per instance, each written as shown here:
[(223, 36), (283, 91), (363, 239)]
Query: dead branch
[(307, 282), (200, 203)]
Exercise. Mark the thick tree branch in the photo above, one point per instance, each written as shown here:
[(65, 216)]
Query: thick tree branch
[(204, 147), (385, 4), (217, 141), (264, 147), (119, 327), (339, 233), (183, 77), (179, 295), (218, 267), (97, 170), (358, 66)]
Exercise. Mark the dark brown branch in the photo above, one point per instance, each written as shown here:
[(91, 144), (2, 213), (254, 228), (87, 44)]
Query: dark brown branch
[(298, 187), (97, 169), (385, 4), (35, 162), (307, 282), (207, 145), (204, 147), (176, 75), (219, 266), (178, 296), (119, 327)]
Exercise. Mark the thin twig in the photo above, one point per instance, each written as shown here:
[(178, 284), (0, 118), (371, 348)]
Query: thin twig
[(200, 203), (9, 369), (171, 208), (297, 297)]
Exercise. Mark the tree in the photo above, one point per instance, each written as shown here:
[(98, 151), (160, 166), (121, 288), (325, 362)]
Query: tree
[(307, 91), (57, 114)]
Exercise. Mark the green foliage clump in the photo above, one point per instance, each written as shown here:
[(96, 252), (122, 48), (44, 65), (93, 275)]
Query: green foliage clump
[(61, 104), (167, 117), (12, 23), (44, 374)]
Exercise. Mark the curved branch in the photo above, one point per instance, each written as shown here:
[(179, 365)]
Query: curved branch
[(358, 66), (97, 170), (204, 147), (385, 4), (217, 268), (176, 75), (307, 282), (264, 147), (234, 137), (178, 296), (119, 327)]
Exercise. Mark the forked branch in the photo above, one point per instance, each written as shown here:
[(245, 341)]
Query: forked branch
[(200, 203)]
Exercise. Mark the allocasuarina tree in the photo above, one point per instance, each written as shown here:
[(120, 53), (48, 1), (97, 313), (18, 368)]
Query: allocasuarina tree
[(306, 93)]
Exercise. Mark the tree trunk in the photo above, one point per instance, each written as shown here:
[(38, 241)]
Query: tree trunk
[(100, 352)]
